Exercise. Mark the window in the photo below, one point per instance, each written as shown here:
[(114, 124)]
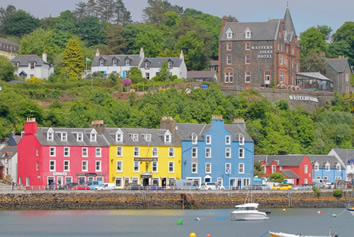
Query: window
[(227, 140), (247, 46), (171, 167), (241, 139), (101, 62), (194, 152), (135, 180), (247, 33), (305, 181), (241, 153), (147, 137), (229, 77), (228, 46), (98, 165), (85, 165), (194, 168), (167, 137), (136, 166), (155, 152), (64, 136), (84, 152), (68, 179), (119, 151), (208, 139), (136, 151), (228, 59), (247, 77), (194, 138), (66, 151), (155, 166), (306, 169), (37, 165), (317, 167), (267, 77), (127, 62), (119, 182), (171, 152), (147, 75), (274, 169), (170, 64), (228, 152), (52, 151), (32, 65), (229, 33), (37, 152), (50, 135), (281, 77), (327, 167), (338, 168), (207, 152), (93, 136), (98, 152), (119, 136), (119, 166), (114, 62), (146, 65), (247, 59), (52, 165), (281, 60), (79, 137), (227, 168), (66, 165), (208, 168), (241, 168), (134, 137)]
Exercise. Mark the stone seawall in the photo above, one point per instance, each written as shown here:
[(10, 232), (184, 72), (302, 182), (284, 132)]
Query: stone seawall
[(166, 200)]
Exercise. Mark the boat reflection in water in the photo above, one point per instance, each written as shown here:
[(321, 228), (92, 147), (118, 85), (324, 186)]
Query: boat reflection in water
[(248, 212)]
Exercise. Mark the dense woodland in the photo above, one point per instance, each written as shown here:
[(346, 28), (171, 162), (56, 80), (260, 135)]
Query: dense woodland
[(66, 100)]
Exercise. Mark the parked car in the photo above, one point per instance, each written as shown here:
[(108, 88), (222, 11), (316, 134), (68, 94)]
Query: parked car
[(328, 185), (155, 187), (282, 187), (211, 186), (80, 187), (106, 186), (67, 186), (265, 187), (252, 187), (185, 185), (93, 184), (303, 187), (134, 186)]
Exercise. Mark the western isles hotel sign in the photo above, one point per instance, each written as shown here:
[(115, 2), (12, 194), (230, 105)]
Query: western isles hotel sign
[(300, 97), (264, 51)]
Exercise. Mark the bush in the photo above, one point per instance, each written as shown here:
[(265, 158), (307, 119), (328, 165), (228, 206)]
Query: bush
[(337, 193), (316, 191)]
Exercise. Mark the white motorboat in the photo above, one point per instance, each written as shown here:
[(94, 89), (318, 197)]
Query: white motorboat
[(248, 212), (281, 234)]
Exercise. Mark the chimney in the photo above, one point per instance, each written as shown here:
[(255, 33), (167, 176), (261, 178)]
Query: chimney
[(97, 53), (44, 57), (142, 54), (216, 117), (241, 122), (98, 126), (223, 21), (168, 123), (30, 126), (181, 56)]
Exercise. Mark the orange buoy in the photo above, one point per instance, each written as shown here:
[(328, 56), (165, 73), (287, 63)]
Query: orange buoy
[(319, 212), (208, 235)]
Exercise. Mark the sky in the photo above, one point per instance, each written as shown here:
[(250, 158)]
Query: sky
[(305, 13)]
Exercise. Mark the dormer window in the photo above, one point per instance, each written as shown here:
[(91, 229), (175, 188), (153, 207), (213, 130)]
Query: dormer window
[(32, 65), (79, 137), (50, 135), (248, 33), (147, 137), (317, 166), (93, 136), (101, 62), (64, 136), (338, 168), (127, 62), (328, 167), (119, 136), (114, 62), (194, 138), (134, 137), (229, 33), (170, 64), (167, 137), (147, 65), (241, 139)]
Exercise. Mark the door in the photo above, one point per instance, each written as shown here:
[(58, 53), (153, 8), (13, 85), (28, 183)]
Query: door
[(163, 182), (145, 182), (59, 181)]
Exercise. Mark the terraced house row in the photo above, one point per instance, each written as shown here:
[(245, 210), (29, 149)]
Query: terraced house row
[(215, 152)]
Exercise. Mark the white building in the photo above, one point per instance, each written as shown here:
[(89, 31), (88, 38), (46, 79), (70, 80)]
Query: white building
[(29, 66), (346, 158)]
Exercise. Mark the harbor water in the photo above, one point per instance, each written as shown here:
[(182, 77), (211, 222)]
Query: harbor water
[(164, 223)]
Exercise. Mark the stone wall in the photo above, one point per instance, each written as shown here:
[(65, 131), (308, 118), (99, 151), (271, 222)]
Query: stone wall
[(165, 200)]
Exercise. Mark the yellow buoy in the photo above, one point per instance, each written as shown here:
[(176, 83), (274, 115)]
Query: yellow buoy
[(284, 209), (192, 235)]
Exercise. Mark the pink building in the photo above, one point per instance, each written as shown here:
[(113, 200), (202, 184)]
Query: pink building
[(62, 155)]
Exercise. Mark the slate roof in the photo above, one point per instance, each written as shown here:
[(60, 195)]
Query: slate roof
[(185, 131), (290, 174), (8, 45), (201, 74), (284, 160), (157, 137), (259, 30), (345, 154), (289, 25), (214, 63), (323, 159), (10, 151), (135, 60), (338, 64), (315, 75), (24, 60), (71, 137), (157, 62)]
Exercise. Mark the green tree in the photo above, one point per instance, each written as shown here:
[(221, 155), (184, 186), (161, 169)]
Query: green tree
[(313, 62), (151, 41), (91, 30), (114, 39), (4, 14), (6, 69), (135, 74), (164, 72), (326, 30), (277, 177), (346, 33), (156, 9), (312, 40), (73, 60), (20, 23)]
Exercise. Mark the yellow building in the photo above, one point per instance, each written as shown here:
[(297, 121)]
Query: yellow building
[(143, 156)]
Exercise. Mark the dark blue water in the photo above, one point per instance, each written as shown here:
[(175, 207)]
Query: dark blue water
[(162, 223)]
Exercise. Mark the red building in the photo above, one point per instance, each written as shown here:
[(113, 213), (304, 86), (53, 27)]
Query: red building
[(296, 168), (62, 155)]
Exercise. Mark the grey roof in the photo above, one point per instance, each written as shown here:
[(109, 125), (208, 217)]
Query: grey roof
[(8, 45), (71, 137), (284, 160), (10, 151), (290, 174), (323, 159), (185, 131), (24, 60), (157, 137), (214, 63), (288, 24), (345, 154), (259, 30), (338, 64), (315, 75), (157, 62), (135, 60), (201, 74)]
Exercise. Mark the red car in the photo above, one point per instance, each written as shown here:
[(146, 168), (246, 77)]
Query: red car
[(80, 187)]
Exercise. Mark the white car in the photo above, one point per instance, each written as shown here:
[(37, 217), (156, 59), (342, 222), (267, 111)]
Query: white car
[(211, 186), (106, 186)]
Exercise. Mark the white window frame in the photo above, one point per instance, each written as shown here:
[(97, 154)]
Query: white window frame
[(155, 167), (138, 166), (228, 152), (229, 34), (135, 137), (328, 167), (208, 139), (66, 151), (136, 151), (228, 46), (306, 169), (171, 152), (169, 166), (194, 139), (241, 153), (52, 165), (66, 165), (241, 139), (64, 136), (194, 151), (119, 136), (84, 152), (119, 151), (247, 46), (84, 165), (195, 167), (274, 169), (37, 165), (50, 135), (241, 168), (305, 181), (338, 167), (98, 166), (80, 137), (155, 152), (52, 151), (93, 136), (247, 77), (317, 166), (208, 166), (98, 152), (228, 140), (207, 152), (227, 168), (121, 166)]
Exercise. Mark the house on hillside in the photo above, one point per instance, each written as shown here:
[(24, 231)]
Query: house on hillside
[(8, 159), (297, 169), (327, 167), (338, 71), (346, 158), (314, 81), (8, 48), (28, 66), (216, 152)]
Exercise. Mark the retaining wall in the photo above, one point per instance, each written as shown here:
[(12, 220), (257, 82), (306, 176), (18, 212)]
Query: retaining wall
[(165, 200)]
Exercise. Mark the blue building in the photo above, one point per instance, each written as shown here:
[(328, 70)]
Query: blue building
[(327, 167), (217, 152)]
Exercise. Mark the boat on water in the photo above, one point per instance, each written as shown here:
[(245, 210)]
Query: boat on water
[(248, 212), (281, 234), (351, 210)]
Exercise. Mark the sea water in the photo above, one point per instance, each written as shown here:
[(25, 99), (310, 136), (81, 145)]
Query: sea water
[(164, 223)]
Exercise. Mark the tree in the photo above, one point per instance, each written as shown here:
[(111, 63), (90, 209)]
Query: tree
[(346, 33), (155, 12), (20, 23), (164, 72), (135, 74), (326, 30), (6, 69), (312, 39), (151, 41), (4, 14), (91, 30), (277, 177), (313, 62), (114, 39), (73, 60)]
